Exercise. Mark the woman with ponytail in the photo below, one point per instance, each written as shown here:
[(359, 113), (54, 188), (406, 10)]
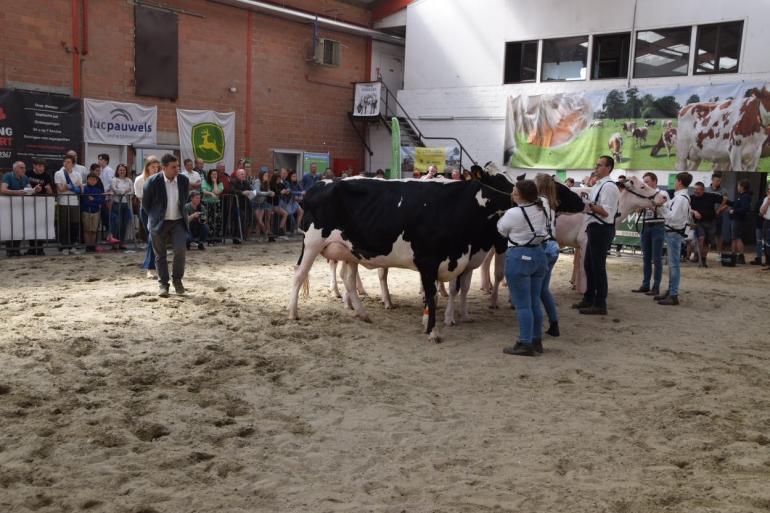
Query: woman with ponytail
[(547, 189)]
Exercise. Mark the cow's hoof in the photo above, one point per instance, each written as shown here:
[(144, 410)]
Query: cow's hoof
[(435, 338), (336, 294), (388, 306), (362, 293), (449, 324)]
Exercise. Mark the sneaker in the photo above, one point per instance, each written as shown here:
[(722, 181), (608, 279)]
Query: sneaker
[(201, 247), (112, 240), (74, 251)]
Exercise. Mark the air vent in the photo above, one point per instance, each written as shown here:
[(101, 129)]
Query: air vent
[(327, 52)]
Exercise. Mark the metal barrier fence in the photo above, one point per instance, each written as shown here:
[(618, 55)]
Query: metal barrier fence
[(99, 222)]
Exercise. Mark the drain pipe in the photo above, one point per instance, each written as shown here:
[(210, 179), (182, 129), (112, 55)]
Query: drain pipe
[(303, 17)]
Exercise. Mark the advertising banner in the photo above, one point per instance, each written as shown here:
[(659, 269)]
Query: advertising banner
[(627, 233), (366, 101), (716, 126), (418, 158), (321, 160), (119, 123), (38, 125), (207, 135)]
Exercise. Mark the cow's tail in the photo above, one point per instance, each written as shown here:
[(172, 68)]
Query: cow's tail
[(306, 283)]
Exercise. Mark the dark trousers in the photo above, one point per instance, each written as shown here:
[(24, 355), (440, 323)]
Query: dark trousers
[(652, 237), (67, 225), (174, 232), (199, 232), (599, 241)]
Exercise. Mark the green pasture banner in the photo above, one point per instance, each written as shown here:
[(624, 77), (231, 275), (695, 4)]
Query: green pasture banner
[(321, 160), (570, 130), (626, 233), (395, 161)]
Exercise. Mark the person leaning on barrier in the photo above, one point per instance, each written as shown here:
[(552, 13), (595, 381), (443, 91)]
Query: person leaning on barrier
[(196, 218), (38, 176), (80, 170), (16, 183), (69, 185)]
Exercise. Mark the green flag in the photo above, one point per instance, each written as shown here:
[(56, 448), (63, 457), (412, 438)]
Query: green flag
[(395, 159)]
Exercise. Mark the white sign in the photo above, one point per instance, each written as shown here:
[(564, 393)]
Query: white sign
[(27, 218), (119, 123), (207, 135), (367, 99)]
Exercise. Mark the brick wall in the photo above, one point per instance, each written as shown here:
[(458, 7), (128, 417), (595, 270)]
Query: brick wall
[(295, 104)]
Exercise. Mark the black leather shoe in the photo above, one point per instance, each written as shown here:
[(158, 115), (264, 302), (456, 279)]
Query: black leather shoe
[(641, 290), (163, 292), (583, 304), (537, 345), (653, 292), (179, 289), (669, 301), (553, 329), (519, 350), (593, 310), (661, 297)]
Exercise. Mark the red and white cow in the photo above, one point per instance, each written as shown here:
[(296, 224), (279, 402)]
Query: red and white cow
[(730, 133), (667, 140), (615, 145)]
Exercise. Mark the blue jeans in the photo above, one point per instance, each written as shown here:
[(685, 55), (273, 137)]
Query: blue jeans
[(760, 244), (652, 237), (120, 220), (551, 256), (674, 243), (149, 255), (766, 238), (525, 270)]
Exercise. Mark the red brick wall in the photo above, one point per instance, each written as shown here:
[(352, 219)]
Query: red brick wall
[(295, 104)]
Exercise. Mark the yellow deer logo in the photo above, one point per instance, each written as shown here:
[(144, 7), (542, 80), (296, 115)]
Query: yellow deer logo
[(207, 144)]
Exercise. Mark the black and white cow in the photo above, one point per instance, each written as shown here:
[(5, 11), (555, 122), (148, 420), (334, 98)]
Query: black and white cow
[(440, 228)]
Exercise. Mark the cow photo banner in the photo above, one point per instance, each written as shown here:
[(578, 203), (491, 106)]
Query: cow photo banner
[(119, 123), (207, 135), (722, 127)]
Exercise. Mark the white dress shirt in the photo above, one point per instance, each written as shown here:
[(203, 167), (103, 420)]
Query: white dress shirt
[(107, 176), (676, 211), (68, 198), (193, 176), (513, 225), (608, 196), (139, 186), (766, 204), (652, 215), (172, 199)]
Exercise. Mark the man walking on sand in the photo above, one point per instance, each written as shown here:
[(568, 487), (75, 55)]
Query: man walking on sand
[(165, 194)]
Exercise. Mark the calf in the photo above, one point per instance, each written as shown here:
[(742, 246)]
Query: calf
[(439, 228)]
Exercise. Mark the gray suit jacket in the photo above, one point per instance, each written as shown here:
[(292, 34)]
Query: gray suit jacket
[(154, 200)]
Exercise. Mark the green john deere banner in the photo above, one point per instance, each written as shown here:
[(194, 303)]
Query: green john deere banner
[(395, 158), (207, 135), (721, 126)]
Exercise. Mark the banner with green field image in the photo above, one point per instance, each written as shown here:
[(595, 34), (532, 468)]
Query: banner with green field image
[(722, 126)]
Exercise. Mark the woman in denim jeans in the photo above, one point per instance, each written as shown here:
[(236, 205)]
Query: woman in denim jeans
[(526, 228), (151, 166), (547, 189)]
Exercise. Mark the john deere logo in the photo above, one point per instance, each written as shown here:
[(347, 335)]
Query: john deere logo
[(208, 141)]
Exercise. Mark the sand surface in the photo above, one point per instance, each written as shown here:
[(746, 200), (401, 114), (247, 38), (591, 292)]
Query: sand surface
[(112, 400)]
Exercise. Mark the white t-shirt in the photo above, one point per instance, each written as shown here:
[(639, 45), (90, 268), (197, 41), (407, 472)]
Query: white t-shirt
[(139, 186), (193, 176), (122, 188), (609, 198), (107, 176), (68, 198), (514, 226)]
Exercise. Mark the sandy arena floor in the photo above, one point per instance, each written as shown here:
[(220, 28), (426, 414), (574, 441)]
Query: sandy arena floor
[(112, 400)]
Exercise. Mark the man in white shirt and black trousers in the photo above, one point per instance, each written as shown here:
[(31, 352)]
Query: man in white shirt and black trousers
[(602, 210), (165, 195), (676, 212)]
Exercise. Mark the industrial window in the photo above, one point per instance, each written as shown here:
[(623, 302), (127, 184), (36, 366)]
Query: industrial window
[(719, 47), (610, 56), (662, 52), (156, 53), (565, 58), (520, 62)]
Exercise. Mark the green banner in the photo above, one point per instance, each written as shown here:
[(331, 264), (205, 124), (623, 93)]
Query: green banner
[(321, 160), (395, 159), (626, 233)]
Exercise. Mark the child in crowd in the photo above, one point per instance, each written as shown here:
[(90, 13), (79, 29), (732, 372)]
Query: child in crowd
[(90, 206)]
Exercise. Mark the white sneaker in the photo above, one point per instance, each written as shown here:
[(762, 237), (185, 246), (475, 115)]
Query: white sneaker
[(74, 252), (151, 275), (65, 252)]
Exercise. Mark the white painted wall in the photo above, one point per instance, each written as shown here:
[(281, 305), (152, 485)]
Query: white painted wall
[(385, 57), (455, 54)]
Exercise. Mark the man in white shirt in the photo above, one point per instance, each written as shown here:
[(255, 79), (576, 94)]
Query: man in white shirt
[(602, 210), (68, 185), (192, 175), (677, 215), (652, 237), (80, 170)]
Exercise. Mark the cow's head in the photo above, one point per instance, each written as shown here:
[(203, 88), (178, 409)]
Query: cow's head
[(496, 187), (636, 194)]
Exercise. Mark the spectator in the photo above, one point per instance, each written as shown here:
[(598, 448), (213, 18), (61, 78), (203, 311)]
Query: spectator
[(328, 174), (296, 194), (378, 174), (622, 180), (310, 179), (677, 215), (120, 220), (652, 237), (546, 189), (263, 203), (16, 183), (281, 200), (456, 175), (69, 185), (151, 167), (758, 234), (739, 215), (39, 177), (242, 190), (570, 182), (91, 203), (430, 174), (721, 222), (192, 175), (199, 168), (80, 170), (211, 188), (106, 174), (196, 217), (764, 211), (706, 207), (467, 176)]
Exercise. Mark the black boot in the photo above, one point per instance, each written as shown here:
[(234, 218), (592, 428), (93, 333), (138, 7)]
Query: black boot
[(537, 345), (741, 258), (553, 329)]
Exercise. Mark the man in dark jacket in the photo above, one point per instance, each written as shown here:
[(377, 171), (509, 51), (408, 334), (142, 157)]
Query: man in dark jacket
[(164, 198), (739, 217)]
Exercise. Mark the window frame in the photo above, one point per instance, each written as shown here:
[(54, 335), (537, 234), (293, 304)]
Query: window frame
[(717, 56), (541, 62), (690, 65), (538, 56), (592, 46)]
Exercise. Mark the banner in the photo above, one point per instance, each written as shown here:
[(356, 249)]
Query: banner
[(119, 123), (444, 158), (38, 125), (395, 147), (662, 128), (321, 160), (627, 233), (207, 135), (27, 218), (366, 101)]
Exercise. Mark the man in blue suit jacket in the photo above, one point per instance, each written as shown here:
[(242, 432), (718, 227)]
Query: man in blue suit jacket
[(165, 195)]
